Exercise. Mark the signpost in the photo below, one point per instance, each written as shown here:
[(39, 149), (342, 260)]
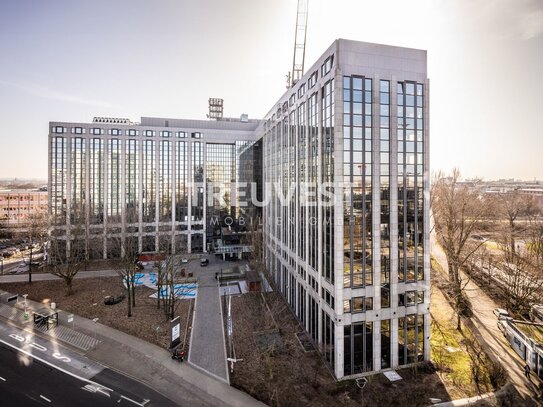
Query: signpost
[(175, 328)]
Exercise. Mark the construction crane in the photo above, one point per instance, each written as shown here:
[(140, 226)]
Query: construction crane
[(299, 44)]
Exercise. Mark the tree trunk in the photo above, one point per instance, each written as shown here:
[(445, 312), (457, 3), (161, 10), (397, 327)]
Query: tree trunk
[(129, 300), (29, 266), (133, 287), (69, 286), (458, 322)]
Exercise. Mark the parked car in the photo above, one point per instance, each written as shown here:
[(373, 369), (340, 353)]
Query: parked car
[(204, 262), (501, 313), (184, 260)]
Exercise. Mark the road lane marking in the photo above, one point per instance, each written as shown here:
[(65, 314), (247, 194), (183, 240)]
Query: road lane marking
[(135, 402), (1, 378), (54, 366), (45, 398)]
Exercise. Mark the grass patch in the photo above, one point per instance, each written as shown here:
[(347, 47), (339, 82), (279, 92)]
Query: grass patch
[(461, 363)]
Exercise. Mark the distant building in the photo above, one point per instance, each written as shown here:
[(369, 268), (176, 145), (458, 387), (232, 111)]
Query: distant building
[(17, 205), (149, 181)]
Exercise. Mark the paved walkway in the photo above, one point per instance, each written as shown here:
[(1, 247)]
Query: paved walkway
[(484, 326), (152, 365), (207, 348)]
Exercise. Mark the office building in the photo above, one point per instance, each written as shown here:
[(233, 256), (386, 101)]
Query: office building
[(147, 181), (341, 163), (349, 250)]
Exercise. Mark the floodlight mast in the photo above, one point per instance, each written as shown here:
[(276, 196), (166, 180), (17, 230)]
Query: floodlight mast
[(299, 43)]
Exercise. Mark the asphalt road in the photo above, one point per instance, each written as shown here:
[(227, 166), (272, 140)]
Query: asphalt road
[(35, 372)]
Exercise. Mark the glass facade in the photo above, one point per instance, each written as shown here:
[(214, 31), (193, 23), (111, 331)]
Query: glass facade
[(146, 188)]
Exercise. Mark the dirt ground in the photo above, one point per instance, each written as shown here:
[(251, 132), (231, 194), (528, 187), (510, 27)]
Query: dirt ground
[(87, 301), (292, 377)]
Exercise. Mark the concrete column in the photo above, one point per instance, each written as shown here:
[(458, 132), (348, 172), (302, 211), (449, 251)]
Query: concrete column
[(394, 343)]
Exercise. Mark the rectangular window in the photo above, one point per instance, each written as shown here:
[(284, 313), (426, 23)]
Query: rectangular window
[(132, 132), (301, 90), (180, 134), (292, 99), (313, 79), (327, 66), (148, 133), (115, 132), (96, 131), (77, 130), (196, 135), (58, 129), (165, 134)]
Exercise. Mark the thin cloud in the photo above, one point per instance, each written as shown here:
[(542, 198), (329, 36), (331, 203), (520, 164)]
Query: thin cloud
[(51, 94), (531, 24)]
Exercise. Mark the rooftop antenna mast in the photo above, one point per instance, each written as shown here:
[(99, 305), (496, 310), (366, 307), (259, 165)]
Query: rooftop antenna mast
[(299, 44)]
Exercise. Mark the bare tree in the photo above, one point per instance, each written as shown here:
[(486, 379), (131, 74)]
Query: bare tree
[(510, 207), (522, 280), (459, 213), (35, 233), (66, 257), (127, 267)]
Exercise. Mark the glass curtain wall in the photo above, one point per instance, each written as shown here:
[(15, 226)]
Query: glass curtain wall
[(328, 179), (410, 181), (198, 181), (384, 180), (58, 179), (114, 181), (181, 204), (78, 178), (149, 181), (165, 181), (357, 157), (132, 181), (96, 181)]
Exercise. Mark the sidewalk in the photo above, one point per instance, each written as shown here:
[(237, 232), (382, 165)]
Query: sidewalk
[(21, 278), (142, 361), (207, 348), (484, 326)]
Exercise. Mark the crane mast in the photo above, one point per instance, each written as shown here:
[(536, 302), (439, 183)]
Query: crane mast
[(299, 43)]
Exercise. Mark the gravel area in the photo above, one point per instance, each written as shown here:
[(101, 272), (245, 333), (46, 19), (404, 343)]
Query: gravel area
[(87, 301)]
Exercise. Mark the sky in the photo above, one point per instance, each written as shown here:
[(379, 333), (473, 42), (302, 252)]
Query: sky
[(73, 60)]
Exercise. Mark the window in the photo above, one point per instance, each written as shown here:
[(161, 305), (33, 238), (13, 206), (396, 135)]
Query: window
[(165, 134), (361, 304), (292, 99), (132, 132), (148, 133), (115, 132), (420, 297), (301, 90), (346, 306), (358, 304), (313, 79), (96, 131), (180, 134), (58, 129), (196, 135), (407, 298), (327, 66), (77, 130)]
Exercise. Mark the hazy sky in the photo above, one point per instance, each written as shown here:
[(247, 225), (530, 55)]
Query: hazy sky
[(73, 60)]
